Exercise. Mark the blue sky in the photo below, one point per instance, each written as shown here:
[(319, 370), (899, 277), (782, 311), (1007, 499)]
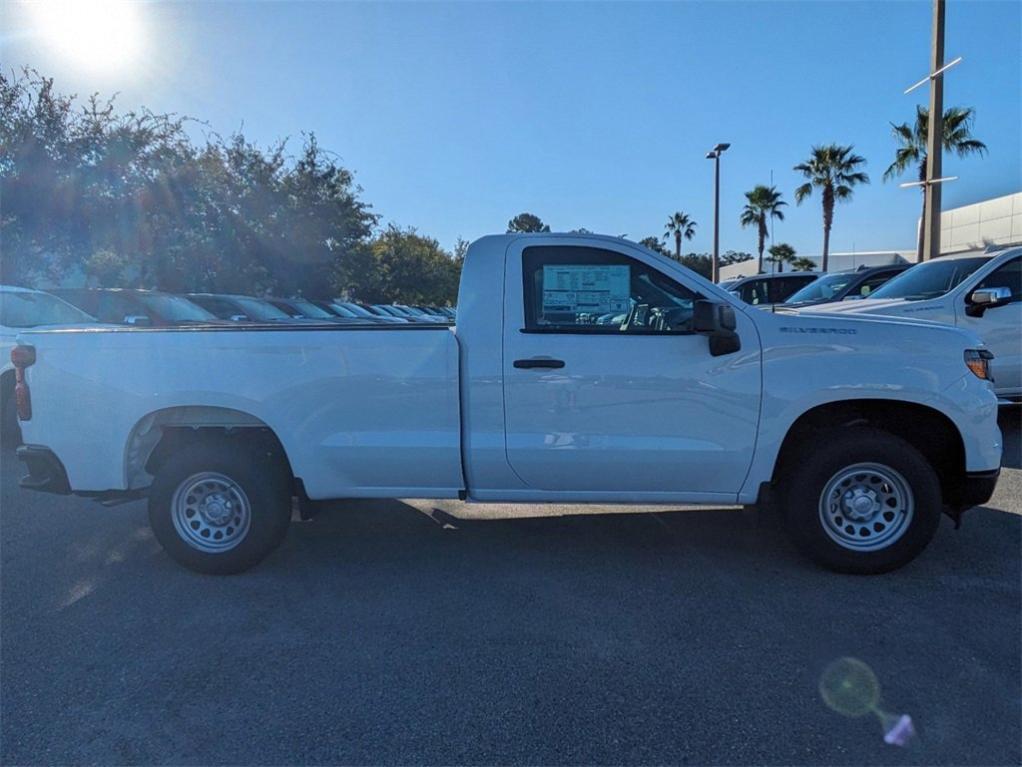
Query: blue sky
[(455, 117)]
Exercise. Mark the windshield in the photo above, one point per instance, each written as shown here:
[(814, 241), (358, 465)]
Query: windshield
[(310, 310), (353, 310), (260, 310), (822, 289), (174, 308), (29, 310), (930, 279)]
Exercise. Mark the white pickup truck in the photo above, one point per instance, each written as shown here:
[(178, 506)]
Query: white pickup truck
[(582, 369)]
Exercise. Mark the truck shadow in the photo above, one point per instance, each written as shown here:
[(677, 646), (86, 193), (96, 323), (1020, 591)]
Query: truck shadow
[(1010, 421)]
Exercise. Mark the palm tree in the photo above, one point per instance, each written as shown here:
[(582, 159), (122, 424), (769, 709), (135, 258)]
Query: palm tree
[(803, 265), (912, 145), (782, 253), (764, 203), (678, 226), (834, 169)]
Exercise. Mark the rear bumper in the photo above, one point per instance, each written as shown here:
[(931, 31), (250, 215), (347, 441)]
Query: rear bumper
[(976, 489), (45, 471)]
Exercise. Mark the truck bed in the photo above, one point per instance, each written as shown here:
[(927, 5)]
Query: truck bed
[(360, 410)]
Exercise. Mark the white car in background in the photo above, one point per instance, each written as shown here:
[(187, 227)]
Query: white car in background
[(980, 291), (22, 308)]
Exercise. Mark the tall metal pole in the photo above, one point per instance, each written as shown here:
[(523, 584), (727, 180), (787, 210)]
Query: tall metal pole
[(716, 217), (934, 140)]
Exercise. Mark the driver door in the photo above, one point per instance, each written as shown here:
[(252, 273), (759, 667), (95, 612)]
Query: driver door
[(608, 392)]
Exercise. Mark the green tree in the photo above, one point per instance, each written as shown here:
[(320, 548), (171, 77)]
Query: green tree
[(526, 222), (835, 171), (106, 268), (654, 244), (762, 204), (679, 225), (700, 263), (911, 152), (86, 188), (729, 257), (401, 266), (803, 265), (780, 254)]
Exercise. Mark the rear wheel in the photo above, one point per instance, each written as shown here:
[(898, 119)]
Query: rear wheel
[(865, 502), (217, 509)]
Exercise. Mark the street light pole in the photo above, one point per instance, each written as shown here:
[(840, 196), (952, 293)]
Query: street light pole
[(714, 154), (934, 140)]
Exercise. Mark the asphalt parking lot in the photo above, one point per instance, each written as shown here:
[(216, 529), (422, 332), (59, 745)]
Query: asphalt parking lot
[(390, 632)]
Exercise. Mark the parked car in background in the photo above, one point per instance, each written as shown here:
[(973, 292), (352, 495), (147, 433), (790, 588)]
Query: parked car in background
[(769, 289), (303, 309), (980, 291), (22, 308), (420, 313), (350, 309), (128, 306), (844, 286), (237, 308), (392, 310)]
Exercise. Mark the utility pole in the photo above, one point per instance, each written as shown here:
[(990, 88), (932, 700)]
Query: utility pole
[(934, 139)]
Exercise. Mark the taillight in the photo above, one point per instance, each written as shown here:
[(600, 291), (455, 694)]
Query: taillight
[(22, 357), (978, 361)]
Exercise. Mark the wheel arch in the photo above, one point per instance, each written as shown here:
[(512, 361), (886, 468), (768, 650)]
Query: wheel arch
[(927, 429), (160, 433)]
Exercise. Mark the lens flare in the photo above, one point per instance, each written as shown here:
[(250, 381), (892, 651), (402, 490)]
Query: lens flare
[(851, 688)]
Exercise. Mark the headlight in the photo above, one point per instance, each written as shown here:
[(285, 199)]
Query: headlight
[(978, 361)]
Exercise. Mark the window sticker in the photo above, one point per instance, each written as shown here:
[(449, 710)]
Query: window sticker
[(573, 289)]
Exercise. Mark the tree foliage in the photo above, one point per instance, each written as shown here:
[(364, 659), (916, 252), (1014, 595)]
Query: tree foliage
[(679, 226), (911, 152), (762, 204), (526, 222), (835, 170), (131, 199), (780, 254), (402, 266)]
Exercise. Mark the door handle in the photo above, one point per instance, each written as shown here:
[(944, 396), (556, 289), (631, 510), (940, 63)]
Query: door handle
[(539, 362)]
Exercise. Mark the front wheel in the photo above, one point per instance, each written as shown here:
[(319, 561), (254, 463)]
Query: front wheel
[(217, 509), (864, 502)]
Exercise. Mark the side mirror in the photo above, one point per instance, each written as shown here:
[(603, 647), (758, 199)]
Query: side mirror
[(717, 321), (986, 298), (140, 320)]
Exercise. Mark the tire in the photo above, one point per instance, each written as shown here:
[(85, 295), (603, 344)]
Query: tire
[(10, 428), (862, 501), (219, 509)]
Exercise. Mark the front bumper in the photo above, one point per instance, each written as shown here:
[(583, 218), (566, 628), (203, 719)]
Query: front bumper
[(975, 490), (45, 471)]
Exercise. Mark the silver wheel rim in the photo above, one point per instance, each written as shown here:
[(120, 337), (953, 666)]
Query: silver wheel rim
[(866, 507), (211, 512)]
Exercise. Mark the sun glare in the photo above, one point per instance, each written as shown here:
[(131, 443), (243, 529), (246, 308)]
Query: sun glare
[(93, 34)]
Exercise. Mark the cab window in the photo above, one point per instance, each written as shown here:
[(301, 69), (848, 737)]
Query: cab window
[(754, 292), (872, 283), (591, 290), (1007, 275)]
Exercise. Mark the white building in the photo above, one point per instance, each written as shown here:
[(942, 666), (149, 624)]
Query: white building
[(974, 227)]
